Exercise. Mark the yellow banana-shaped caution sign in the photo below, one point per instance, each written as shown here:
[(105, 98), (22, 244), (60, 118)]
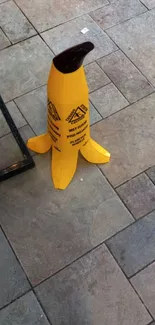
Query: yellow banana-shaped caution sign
[(68, 117)]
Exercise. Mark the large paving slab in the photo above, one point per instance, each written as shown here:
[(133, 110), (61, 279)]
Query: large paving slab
[(150, 4), (4, 42), (69, 34), (133, 247), (144, 283), (57, 227), (25, 67), (139, 195), (24, 311), (136, 38), (108, 100), (117, 11), (92, 291), (126, 76), (129, 136), (50, 13), (34, 107), (13, 281), (14, 23), (16, 115)]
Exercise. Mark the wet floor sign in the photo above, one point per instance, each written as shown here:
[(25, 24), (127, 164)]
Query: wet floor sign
[(68, 117)]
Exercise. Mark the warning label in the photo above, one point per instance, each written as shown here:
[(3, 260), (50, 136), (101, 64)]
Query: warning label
[(77, 141), (53, 112), (77, 134), (53, 129), (77, 114)]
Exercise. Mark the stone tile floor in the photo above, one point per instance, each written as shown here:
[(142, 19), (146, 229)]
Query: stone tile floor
[(86, 255)]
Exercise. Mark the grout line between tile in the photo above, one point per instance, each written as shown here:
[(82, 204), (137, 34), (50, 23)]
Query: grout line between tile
[(84, 254), (144, 5), (27, 92), (142, 172), (12, 301), (130, 59), (40, 303), (24, 119), (14, 253), (149, 176), (96, 110), (71, 19), (25, 15), (104, 118), (126, 20), (37, 32), (128, 226), (6, 34), (25, 39), (108, 83), (143, 268), (141, 299), (89, 14), (66, 266), (131, 103), (114, 189), (137, 294)]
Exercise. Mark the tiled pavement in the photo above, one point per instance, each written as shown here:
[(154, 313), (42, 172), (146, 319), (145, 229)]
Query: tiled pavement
[(86, 255)]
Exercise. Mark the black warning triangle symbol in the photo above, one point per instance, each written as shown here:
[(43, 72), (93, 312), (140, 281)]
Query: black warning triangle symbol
[(78, 115), (53, 112)]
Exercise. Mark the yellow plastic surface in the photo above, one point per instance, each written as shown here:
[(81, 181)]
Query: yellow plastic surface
[(94, 153), (68, 129)]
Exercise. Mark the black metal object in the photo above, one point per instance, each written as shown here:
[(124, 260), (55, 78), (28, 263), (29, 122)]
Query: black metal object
[(27, 162)]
